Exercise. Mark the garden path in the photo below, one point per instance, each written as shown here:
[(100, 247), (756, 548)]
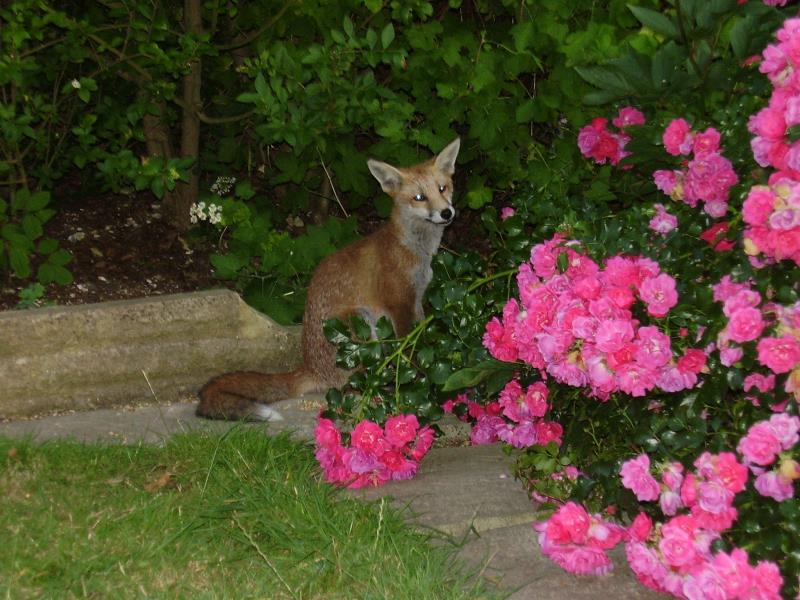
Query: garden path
[(466, 492)]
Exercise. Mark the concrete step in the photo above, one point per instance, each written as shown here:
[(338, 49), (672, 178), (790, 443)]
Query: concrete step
[(161, 349)]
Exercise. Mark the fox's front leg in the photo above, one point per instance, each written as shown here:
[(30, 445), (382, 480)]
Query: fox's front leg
[(402, 317)]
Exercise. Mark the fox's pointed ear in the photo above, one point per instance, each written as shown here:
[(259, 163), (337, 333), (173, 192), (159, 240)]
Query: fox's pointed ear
[(446, 159), (389, 177)]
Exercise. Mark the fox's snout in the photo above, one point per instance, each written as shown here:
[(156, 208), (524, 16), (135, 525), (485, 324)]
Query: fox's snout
[(444, 216)]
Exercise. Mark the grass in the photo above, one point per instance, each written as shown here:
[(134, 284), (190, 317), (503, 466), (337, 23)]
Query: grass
[(206, 516)]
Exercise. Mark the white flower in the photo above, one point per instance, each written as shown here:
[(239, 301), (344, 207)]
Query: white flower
[(76, 84), (222, 185)]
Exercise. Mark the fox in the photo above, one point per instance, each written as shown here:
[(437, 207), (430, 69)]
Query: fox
[(383, 274)]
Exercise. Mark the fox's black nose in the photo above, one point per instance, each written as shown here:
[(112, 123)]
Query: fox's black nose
[(446, 214)]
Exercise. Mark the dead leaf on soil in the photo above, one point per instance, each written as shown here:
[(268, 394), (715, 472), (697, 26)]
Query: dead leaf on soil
[(159, 483)]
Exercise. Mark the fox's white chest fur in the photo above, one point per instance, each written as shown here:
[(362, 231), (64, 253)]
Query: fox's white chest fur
[(422, 238)]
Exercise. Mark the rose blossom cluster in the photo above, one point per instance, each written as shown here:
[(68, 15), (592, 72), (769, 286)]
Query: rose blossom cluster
[(771, 144), (376, 454), (707, 177), (575, 323), (577, 541), (772, 217), (763, 445), (515, 418), (675, 557), (596, 141), (707, 492), (748, 320)]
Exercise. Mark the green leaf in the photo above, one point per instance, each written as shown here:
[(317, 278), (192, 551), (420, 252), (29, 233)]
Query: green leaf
[(479, 196), (665, 64), (607, 79), (472, 376), (657, 21), (524, 34), (32, 226), (740, 36), (347, 25), (261, 87), (228, 265), (157, 187), (562, 262), (37, 201), (440, 372), (50, 273), (20, 263), (47, 246), (59, 258), (387, 36), (337, 36)]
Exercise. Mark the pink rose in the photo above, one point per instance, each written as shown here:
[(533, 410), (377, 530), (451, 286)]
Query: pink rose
[(368, 436), (507, 212), (326, 434), (653, 347), (677, 548), (423, 443), (773, 485), (763, 383), (779, 354), (760, 445), (730, 355), (637, 478), (401, 429), (745, 325), (659, 294), (677, 137), (613, 334), (785, 427), (570, 523), (640, 527), (628, 116), (713, 497), (692, 361), (706, 141)]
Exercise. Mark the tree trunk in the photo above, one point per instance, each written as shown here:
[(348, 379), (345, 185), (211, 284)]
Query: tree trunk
[(177, 204), (156, 133)]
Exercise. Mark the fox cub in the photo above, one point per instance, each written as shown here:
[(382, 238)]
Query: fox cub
[(383, 274)]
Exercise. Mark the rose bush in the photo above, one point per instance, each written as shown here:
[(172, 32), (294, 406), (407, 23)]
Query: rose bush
[(654, 325)]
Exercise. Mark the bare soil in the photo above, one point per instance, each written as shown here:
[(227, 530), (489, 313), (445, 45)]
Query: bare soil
[(122, 248)]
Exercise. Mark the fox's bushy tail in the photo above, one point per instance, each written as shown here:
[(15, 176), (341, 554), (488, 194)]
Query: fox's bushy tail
[(245, 395)]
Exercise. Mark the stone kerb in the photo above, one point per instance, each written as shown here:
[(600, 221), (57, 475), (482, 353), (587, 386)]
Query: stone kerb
[(112, 353)]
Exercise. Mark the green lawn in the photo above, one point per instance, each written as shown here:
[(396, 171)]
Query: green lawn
[(240, 515)]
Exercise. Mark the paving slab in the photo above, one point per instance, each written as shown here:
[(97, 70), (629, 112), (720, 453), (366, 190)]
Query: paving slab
[(153, 424)]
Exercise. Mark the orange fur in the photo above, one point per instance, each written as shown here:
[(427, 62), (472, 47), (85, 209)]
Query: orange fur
[(383, 274)]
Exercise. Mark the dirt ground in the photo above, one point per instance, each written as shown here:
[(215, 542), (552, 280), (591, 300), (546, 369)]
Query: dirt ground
[(121, 248)]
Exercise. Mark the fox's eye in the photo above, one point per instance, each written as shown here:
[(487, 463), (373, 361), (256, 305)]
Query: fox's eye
[(442, 188), (419, 197)]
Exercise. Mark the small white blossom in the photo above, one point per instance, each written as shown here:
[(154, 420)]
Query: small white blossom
[(214, 214), (200, 211), (76, 84), (223, 185)]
